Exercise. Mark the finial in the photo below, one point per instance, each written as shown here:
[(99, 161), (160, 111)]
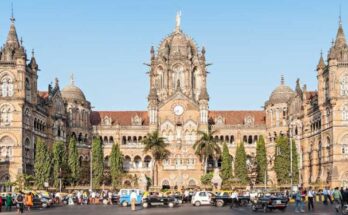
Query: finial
[(72, 80), (178, 21), (282, 79), (340, 16), (21, 41), (321, 53), (12, 16), (56, 82), (32, 53)]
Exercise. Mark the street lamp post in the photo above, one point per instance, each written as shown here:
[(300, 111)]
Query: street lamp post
[(90, 169)]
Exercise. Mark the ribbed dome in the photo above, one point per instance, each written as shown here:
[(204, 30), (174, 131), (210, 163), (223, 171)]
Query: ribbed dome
[(281, 94), (177, 43), (72, 92)]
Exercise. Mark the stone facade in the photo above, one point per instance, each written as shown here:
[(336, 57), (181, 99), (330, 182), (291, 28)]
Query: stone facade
[(178, 106)]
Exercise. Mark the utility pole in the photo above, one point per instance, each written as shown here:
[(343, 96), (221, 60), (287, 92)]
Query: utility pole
[(91, 169), (291, 158), (60, 179)]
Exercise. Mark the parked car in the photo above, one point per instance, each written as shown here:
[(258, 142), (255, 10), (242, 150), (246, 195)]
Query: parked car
[(151, 201), (270, 203), (221, 199), (125, 197), (201, 198)]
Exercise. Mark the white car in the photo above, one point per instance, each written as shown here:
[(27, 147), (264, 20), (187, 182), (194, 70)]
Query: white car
[(201, 198)]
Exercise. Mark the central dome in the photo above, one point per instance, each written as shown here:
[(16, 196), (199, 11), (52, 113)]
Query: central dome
[(281, 94), (72, 92)]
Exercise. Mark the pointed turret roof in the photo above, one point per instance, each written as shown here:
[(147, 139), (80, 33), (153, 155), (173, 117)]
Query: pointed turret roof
[(204, 94), (33, 65), (321, 64), (12, 38), (340, 38)]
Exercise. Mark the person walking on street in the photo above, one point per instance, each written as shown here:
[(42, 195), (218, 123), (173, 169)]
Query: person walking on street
[(133, 198), (337, 196), (0, 203), (310, 195), (298, 201), (19, 202), (29, 201), (8, 202), (325, 194)]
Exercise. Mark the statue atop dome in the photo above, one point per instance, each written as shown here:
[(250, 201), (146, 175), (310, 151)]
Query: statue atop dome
[(178, 21)]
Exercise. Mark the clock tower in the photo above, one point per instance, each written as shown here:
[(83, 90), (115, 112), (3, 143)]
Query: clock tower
[(178, 102)]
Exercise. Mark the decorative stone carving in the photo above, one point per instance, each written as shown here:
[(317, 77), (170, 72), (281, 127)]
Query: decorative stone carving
[(136, 120), (107, 121), (216, 180), (249, 121), (220, 120)]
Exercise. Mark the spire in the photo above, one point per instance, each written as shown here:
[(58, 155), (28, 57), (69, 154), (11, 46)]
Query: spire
[(56, 83), (203, 94), (282, 79), (340, 38), (12, 38), (153, 94), (321, 64), (33, 65), (178, 21)]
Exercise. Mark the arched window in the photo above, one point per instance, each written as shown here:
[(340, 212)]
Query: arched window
[(345, 113), (27, 89), (6, 115), (6, 146), (137, 162), (344, 85), (147, 161), (344, 144), (7, 86), (127, 163)]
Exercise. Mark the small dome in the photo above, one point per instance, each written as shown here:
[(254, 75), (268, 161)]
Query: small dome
[(72, 92), (281, 94)]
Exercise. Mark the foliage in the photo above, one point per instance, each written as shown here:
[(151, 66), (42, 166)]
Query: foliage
[(206, 146), (241, 171), (97, 163), (157, 146), (261, 160), (226, 166), (282, 161), (73, 161), (206, 178), (116, 167), (59, 162), (42, 164)]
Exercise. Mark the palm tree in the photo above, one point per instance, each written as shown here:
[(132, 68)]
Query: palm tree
[(156, 145), (207, 146)]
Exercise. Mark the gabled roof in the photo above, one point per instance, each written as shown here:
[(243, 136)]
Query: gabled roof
[(237, 117), (122, 118)]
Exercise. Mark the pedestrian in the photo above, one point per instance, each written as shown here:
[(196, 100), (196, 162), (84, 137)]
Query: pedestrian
[(234, 197), (93, 197), (337, 196), (310, 195), (345, 196), (133, 198), (0, 203), (19, 203), (330, 192), (110, 197), (298, 201), (8, 202), (29, 201)]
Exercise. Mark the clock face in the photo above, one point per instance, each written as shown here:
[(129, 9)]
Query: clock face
[(178, 110)]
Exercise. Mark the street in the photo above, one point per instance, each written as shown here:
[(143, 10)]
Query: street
[(185, 209)]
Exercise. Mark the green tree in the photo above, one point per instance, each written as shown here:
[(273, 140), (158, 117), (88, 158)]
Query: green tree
[(226, 166), (156, 145), (42, 164), (206, 178), (241, 171), (206, 146), (59, 162), (261, 160), (73, 161), (282, 161), (116, 168), (97, 163)]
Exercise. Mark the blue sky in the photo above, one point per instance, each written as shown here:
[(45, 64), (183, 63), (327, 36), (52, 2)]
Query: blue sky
[(105, 43)]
